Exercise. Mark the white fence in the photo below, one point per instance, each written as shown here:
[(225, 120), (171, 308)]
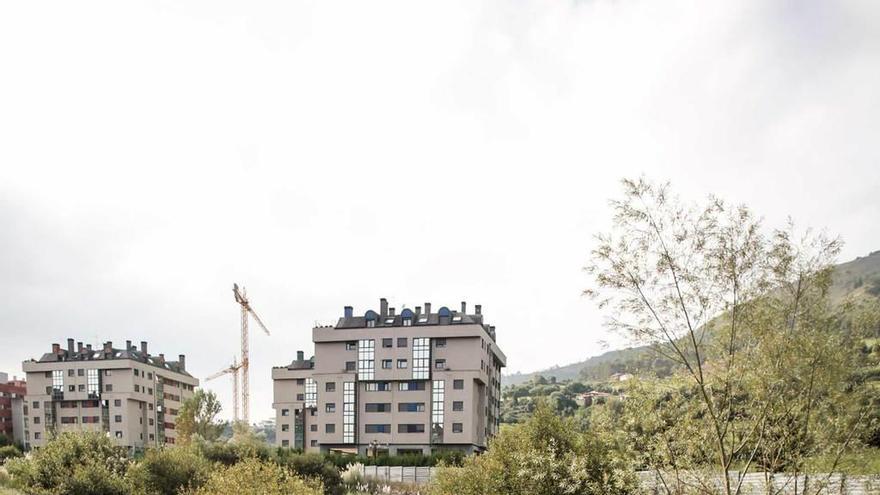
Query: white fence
[(753, 483)]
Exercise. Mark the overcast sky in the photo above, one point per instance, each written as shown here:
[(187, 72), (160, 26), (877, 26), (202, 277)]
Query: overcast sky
[(326, 154)]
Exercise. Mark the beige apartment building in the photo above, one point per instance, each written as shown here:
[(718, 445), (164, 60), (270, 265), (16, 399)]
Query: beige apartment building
[(416, 381), (130, 394)]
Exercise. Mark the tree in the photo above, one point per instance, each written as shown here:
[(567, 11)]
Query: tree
[(73, 464), (744, 314), (197, 416), (256, 477), (547, 455)]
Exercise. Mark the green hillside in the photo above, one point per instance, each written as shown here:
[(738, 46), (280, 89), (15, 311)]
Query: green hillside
[(855, 280)]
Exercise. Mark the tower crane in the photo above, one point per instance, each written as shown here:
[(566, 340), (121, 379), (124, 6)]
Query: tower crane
[(233, 370), (241, 299)]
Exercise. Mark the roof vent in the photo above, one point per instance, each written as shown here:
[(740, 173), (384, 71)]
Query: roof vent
[(300, 356), (463, 308), (383, 307), (349, 311), (478, 308)]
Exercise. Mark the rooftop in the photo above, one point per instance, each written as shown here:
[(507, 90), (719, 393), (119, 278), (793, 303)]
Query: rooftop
[(108, 352), (387, 317)]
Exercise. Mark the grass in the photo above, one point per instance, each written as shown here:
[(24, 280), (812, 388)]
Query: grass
[(861, 462)]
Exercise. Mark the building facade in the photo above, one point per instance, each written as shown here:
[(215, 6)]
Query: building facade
[(128, 393), (411, 382), (12, 393)]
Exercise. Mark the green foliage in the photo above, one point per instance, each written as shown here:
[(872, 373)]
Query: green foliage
[(255, 477), (198, 416), (73, 464), (447, 457), (9, 452), (547, 455), (168, 471), (314, 467)]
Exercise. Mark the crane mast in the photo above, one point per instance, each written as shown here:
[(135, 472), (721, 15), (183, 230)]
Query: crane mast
[(246, 313)]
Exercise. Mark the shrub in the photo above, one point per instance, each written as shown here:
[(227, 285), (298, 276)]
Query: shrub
[(544, 456), (168, 471), (73, 464), (9, 452), (314, 466), (256, 477)]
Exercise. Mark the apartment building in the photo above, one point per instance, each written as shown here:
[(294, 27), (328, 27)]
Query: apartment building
[(128, 393), (12, 408), (413, 382)]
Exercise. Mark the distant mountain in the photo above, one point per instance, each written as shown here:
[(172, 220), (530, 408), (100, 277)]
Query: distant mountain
[(857, 279)]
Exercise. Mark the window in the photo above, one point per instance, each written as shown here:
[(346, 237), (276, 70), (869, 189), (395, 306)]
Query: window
[(351, 346), (313, 443), (409, 386), (313, 427), (410, 428), (71, 388), (377, 428), (457, 427), (389, 321), (407, 322), (377, 407), (411, 407), (439, 342), (330, 407), (401, 341), (68, 420), (371, 323), (135, 372), (149, 391), (149, 375), (311, 399), (421, 354), (80, 372), (387, 342), (69, 372), (457, 405), (285, 412), (118, 434), (117, 402), (440, 364), (458, 384), (106, 372), (117, 418), (81, 388), (57, 381), (366, 359), (285, 427), (330, 428), (137, 388), (330, 387), (350, 366), (437, 397), (402, 364), (300, 397), (348, 412), (36, 435), (108, 387), (36, 420), (285, 443), (36, 404), (377, 387), (300, 381), (386, 364)]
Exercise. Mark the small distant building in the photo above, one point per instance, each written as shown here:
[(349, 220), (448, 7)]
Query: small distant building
[(620, 377), (12, 408), (587, 399)]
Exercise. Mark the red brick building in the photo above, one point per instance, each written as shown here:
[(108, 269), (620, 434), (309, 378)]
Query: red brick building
[(12, 423)]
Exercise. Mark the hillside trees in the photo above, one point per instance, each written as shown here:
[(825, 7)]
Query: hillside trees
[(745, 316)]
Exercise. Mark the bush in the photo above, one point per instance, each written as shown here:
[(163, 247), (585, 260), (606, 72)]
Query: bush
[(256, 477), (9, 452), (73, 464), (544, 456), (314, 466), (229, 453), (168, 471)]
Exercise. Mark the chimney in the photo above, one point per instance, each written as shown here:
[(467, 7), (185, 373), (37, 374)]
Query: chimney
[(478, 308), (299, 356), (427, 309), (127, 345), (418, 311), (383, 307), (70, 346), (182, 360), (162, 358), (463, 308), (79, 347), (56, 348), (390, 311), (89, 347), (144, 347), (349, 311), (108, 346)]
